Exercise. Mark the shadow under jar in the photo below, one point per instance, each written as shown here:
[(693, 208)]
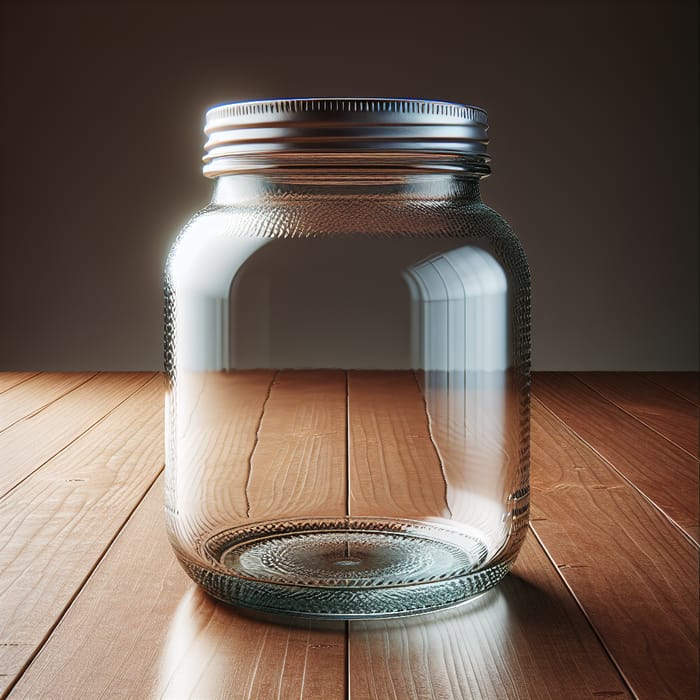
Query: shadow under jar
[(347, 344)]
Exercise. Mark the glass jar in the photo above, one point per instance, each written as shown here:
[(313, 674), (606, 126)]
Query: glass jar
[(347, 343)]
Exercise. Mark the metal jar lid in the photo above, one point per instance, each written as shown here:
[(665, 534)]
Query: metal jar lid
[(267, 133)]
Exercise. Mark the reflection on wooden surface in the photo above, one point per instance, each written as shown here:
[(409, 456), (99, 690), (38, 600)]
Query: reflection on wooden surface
[(168, 639), (524, 639), (94, 603), (210, 648)]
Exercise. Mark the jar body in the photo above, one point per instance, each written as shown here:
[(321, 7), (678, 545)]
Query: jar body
[(348, 407)]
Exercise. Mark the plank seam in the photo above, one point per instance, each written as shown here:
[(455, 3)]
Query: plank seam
[(692, 402), (21, 381), (347, 447), (347, 657), (77, 437), (49, 403), (625, 478), (284, 664), (612, 402), (438, 454), (580, 606), (81, 586), (256, 443)]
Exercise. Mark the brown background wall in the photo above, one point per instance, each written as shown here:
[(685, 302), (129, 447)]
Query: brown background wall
[(593, 109)]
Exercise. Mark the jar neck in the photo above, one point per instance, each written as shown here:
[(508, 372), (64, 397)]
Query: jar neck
[(241, 188)]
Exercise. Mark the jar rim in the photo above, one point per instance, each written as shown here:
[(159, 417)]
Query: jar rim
[(360, 130)]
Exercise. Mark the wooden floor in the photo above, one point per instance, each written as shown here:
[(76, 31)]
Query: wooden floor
[(602, 603)]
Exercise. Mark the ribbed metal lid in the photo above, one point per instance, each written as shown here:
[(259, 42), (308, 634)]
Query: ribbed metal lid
[(243, 134)]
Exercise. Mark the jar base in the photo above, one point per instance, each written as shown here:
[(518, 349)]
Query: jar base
[(346, 568)]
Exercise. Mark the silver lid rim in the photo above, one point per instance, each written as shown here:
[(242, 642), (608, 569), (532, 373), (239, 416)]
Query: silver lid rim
[(347, 109), (342, 126)]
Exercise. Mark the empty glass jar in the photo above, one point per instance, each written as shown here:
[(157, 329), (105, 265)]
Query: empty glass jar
[(347, 344)]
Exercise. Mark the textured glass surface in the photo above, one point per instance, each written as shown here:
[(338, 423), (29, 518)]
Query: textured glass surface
[(347, 298)]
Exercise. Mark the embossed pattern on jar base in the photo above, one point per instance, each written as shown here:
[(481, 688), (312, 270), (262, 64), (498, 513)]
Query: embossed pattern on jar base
[(346, 568)]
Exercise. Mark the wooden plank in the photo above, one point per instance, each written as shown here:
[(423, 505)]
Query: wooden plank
[(30, 443), (36, 393), (219, 414), (140, 628), (154, 634), (57, 523), (525, 639), (663, 411), (393, 464), (666, 475), (260, 445), (685, 384), (486, 648), (298, 466), (632, 571), (10, 379)]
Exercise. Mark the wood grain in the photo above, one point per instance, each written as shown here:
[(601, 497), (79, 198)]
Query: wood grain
[(526, 639), (141, 629), (632, 571), (660, 409), (685, 384), (666, 475), (31, 396), (298, 464), (10, 379), (30, 443), (247, 440), (470, 652), (219, 415), (58, 522), (393, 465)]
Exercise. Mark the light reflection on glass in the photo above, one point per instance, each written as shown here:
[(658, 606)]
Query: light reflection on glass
[(460, 325)]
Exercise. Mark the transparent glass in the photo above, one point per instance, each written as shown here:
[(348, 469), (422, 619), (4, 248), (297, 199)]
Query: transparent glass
[(348, 402)]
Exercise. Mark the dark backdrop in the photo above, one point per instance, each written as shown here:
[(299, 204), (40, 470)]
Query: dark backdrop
[(593, 109)]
